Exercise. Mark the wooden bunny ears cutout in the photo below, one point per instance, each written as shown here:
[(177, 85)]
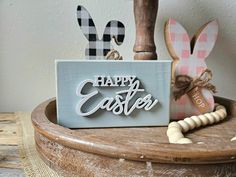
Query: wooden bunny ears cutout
[(98, 49), (181, 47)]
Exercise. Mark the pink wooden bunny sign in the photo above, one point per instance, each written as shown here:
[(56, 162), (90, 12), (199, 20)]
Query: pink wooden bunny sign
[(189, 59)]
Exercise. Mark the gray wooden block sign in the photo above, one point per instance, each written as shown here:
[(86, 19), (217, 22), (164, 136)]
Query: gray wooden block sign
[(92, 94)]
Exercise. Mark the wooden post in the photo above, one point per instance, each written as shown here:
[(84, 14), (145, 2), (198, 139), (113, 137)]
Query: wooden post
[(145, 12)]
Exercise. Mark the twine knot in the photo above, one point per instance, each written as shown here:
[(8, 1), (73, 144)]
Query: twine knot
[(113, 55), (184, 83)]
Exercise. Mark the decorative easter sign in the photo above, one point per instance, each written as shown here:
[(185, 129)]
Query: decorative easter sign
[(189, 66), (113, 93)]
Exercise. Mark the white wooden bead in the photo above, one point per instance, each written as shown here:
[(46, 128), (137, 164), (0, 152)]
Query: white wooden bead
[(233, 139), (210, 118), (175, 137), (184, 125), (197, 121), (190, 122), (204, 120), (174, 124), (172, 130), (221, 113), (219, 107), (184, 141), (216, 116)]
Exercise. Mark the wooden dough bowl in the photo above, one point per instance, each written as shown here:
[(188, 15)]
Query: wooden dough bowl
[(135, 152)]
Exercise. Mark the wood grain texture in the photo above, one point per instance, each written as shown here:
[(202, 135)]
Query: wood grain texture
[(9, 138), (10, 161), (9, 157), (5, 172), (92, 165), (146, 150), (145, 12), (8, 130)]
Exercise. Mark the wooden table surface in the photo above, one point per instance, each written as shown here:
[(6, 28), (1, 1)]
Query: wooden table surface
[(10, 137), (10, 161)]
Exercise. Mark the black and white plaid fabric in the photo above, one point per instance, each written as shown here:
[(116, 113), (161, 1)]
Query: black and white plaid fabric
[(98, 49)]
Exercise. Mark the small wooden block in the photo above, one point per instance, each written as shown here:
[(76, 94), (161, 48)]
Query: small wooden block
[(113, 93)]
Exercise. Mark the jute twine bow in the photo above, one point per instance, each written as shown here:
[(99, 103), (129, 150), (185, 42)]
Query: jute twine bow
[(114, 55), (184, 83)]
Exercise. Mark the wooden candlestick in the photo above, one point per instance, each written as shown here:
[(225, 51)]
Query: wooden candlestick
[(145, 12)]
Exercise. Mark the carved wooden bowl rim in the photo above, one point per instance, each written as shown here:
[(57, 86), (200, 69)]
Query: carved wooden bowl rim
[(88, 141)]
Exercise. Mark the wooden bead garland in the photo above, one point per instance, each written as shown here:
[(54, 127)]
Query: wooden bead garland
[(176, 129)]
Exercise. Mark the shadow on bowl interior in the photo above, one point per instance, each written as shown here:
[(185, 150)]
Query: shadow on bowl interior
[(51, 112)]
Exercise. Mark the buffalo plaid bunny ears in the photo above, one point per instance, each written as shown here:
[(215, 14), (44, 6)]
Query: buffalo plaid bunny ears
[(98, 49)]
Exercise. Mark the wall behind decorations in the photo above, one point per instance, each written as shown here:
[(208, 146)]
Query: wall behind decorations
[(33, 33)]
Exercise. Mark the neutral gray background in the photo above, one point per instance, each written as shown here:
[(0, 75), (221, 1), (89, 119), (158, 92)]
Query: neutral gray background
[(33, 33)]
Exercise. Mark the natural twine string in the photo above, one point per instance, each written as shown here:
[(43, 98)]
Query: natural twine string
[(184, 83), (176, 129), (114, 55)]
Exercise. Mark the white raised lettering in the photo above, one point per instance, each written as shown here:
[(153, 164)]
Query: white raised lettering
[(121, 103)]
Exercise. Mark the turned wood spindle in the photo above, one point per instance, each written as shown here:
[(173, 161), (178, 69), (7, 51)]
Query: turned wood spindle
[(145, 12)]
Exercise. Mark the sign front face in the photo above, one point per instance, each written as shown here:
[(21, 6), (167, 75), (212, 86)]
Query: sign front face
[(92, 94)]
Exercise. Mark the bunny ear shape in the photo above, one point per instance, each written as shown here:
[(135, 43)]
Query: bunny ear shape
[(114, 29), (86, 24), (205, 40), (177, 40)]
